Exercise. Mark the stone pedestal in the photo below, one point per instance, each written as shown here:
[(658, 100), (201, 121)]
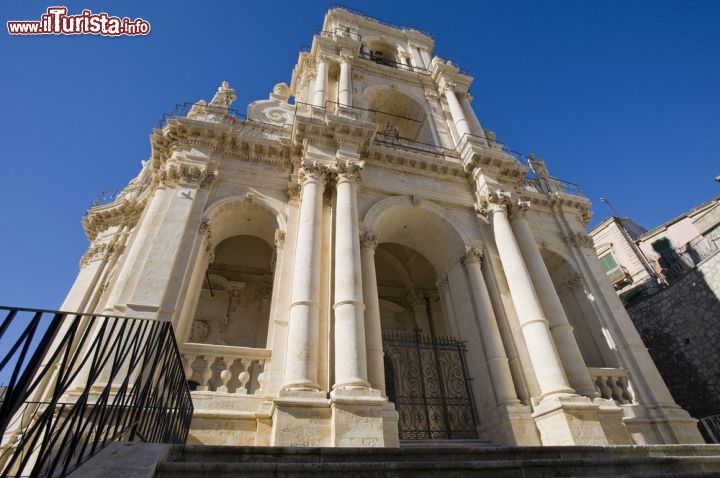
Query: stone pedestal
[(301, 418), (357, 418), (569, 420)]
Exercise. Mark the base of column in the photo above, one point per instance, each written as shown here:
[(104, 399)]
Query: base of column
[(513, 425), (664, 424), (564, 420), (358, 418), (301, 418)]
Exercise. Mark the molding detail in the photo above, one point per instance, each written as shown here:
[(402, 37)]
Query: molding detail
[(493, 201), (279, 238)]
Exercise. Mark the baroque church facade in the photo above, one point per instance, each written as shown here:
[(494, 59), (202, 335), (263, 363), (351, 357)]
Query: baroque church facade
[(367, 264)]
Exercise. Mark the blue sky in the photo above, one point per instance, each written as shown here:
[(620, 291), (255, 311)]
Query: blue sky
[(621, 97)]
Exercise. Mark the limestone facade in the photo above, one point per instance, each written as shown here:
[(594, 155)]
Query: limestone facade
[(283, 245)]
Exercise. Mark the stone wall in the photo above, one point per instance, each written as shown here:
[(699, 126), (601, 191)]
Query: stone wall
[(681, 327)]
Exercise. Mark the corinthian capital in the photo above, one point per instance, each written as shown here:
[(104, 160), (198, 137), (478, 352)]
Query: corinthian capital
[(492, 201), (346, 171), (368, 239), (519, 208), (312, 172), (472, 255)]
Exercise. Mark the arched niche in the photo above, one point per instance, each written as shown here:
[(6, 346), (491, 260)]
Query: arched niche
[(400, 113), (593, 339)]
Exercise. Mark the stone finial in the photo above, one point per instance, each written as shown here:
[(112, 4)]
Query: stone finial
[(224, 96), (282, 91)]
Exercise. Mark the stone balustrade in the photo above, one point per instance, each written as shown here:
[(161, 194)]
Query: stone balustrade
[(224, 368), (612, 384)]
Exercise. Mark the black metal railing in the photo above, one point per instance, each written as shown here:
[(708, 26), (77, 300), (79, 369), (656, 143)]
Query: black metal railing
[(381, 22), (74, 383), (392, 64), (130, 191), (551, 185), (711, 427), (183, 109), (398, 142)]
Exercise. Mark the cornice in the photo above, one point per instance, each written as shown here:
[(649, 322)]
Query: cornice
[(420, 165)]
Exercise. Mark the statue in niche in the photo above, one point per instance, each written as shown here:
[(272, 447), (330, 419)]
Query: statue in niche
[(391, 131)]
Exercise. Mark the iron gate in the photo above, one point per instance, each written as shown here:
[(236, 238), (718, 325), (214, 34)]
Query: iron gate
[(427, 379)]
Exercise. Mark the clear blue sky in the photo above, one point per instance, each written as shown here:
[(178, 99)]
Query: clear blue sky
[(621, 97)]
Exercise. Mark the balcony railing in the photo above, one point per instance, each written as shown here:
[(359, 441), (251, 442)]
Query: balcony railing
[(392, 64), (612, 384), (711, 426), (73, 383), (224, 368), (381, 22), (399, 142), (551, 185), (128, 192)]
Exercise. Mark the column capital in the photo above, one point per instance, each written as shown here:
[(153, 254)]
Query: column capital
[(472, 255), (447, 86), (416, 297), (519, 208), (368, 240), (347, 172), (346, 57), (312, 172), (323, 58), (279, 238), (442, 283), (493, 201)]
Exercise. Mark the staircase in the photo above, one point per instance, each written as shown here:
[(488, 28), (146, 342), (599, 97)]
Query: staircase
[(447, 460)]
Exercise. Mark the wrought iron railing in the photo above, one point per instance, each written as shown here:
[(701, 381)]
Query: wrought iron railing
[(183, 109), (711, 426), (551, 185), (399, 142), (75, 383), (129, 191), (391, 63), (381, 22)]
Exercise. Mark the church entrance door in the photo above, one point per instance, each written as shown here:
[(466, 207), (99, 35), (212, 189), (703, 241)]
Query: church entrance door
[(426, 377)]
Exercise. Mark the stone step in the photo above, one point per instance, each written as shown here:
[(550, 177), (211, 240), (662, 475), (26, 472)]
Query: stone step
[(447, 453), (610, 466), (446, 443)]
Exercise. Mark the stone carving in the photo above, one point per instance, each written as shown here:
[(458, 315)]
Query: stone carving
[(579, 239), (368, 239), (204, 227), (442, 283), (520, 208), (293, 193), (199, 331), (416, 297), (313, 172), (274, 110), (224, 96), (279, 238), (538, 166), (472, 255), (95, 253), (347, 171), (493, 201)]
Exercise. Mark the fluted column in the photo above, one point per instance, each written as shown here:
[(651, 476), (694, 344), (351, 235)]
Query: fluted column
[(562, 331), (373, 326), (345, 85), (534, 325), (350, 354), (498, 363), (456, 111), (301, 361), (321, 80)]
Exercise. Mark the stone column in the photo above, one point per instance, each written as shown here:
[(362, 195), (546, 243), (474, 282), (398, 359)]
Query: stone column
[(373, 327), (562, 331), (456, 111), (301, 361), (350, 358), (534, 325), (345, 86), (321, 80), (492, 341)]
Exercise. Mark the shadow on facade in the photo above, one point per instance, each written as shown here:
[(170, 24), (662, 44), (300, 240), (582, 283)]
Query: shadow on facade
[(680, 325)]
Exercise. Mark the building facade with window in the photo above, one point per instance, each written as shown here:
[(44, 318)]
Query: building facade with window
[(357, 261)]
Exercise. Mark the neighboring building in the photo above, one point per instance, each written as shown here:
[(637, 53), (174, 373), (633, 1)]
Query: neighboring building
[(323, 261), (669, 279)]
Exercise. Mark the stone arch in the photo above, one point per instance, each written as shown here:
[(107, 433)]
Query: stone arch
[(593, 339), (408, 111), (433, 216), (269, 212)]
